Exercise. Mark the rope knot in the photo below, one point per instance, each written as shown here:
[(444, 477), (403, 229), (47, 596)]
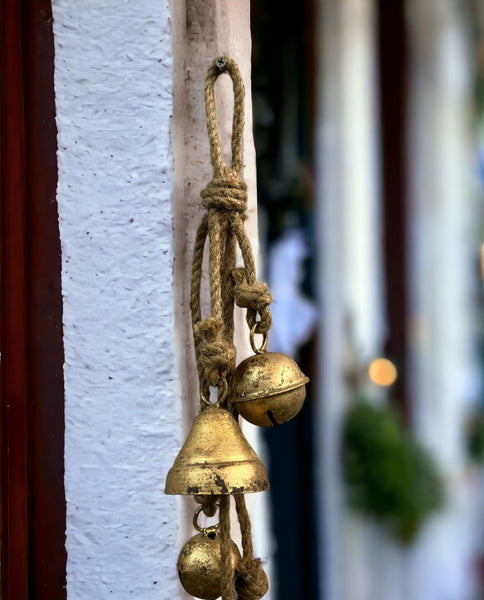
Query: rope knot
[(252, 582), (215, 355), (256, 297), (225, 193)]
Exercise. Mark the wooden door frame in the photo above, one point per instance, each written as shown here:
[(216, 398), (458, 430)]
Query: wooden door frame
[(33, 553)]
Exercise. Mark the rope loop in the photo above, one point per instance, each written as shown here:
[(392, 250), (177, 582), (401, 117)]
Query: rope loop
[(220, 65)]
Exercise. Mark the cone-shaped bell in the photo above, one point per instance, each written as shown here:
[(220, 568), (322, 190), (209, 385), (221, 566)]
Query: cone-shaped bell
[(216, 459)]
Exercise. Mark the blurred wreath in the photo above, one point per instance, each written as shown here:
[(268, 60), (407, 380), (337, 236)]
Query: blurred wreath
[(390, 476), (475, 436)]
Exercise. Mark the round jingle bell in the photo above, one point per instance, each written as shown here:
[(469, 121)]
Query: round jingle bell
[(200, 565), (268, 388)]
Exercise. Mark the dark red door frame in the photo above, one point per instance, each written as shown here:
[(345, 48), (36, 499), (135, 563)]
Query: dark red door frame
[(32, 393)]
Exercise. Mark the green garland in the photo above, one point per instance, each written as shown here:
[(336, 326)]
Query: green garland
[(475, 437), (390, 476)]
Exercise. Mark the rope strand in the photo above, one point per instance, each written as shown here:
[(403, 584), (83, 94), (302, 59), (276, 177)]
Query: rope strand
[(252, 582), (225, 202), (227, 584)]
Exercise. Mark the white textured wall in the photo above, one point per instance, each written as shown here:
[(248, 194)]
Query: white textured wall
[(113, 79)]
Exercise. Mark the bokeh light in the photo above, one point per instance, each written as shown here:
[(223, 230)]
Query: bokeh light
[(382, 372)]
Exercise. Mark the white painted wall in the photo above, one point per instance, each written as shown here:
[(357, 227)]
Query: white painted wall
[(113, 81), (133, 155)]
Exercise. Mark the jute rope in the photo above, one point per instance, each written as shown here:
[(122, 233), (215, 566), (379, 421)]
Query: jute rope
[(227, 587), (252, 582), (225, 202)]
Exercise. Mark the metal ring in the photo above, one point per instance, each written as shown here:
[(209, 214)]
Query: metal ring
[(203, 396), (204, 530), (263, 346), (223, 390)]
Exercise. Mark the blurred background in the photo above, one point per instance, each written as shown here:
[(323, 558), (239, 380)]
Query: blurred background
[(369, 132)]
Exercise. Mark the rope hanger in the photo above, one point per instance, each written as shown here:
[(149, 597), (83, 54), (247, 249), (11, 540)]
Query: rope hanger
[(225, 202), (216, 462)]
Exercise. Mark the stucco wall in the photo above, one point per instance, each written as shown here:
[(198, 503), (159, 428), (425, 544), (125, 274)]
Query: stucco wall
[(113, 80)]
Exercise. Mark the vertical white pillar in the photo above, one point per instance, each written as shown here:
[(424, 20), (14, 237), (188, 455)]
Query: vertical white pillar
[(349, 266), (442, 245), (114, 98)]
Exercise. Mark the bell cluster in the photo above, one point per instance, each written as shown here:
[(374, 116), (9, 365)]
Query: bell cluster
[(216, 462)]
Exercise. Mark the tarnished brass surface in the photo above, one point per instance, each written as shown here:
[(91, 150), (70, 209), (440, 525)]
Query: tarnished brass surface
[(216, 459), (268, 389), (199, 565)]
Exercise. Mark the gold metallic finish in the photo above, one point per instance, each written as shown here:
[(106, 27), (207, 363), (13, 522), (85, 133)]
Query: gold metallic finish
[(268, 389), (200, 565), (222, 394), (265, 339), (216, 459), (206, 530)]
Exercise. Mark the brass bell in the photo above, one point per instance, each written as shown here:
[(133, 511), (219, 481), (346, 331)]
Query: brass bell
[(268, 389), (199, 565), (216, 459)]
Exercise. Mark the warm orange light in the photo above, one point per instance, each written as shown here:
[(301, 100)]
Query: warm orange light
[(382, 371)]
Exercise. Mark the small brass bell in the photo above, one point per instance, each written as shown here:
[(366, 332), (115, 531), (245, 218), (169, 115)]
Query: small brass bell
[(199, 565), (268, 389), (216, 459)]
